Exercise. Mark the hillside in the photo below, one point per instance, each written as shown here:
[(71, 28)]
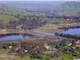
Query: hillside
[(11, 14), (35, 14), (5, 18), (12, 11), (69, 9), (12, 17)]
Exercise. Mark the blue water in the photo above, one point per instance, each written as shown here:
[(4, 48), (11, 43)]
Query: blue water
[(41, 34), (72, 31), (14, 37)]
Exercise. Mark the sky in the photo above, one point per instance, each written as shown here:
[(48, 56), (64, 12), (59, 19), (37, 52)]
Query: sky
[(39, 0)]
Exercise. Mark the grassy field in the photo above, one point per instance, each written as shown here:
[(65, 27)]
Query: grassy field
[(45, 57), (53, 20), (6, 18), (4, 51), (64, 57)]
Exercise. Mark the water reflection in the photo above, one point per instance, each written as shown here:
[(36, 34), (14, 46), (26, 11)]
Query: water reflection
[(72, 31), (13, 37)]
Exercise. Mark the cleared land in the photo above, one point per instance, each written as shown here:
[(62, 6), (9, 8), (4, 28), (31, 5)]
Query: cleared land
[(55, 27)]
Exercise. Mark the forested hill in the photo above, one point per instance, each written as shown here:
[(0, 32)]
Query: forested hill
[(4, 9), (11, 17), (11, 14), (35, 14), (69, 9)]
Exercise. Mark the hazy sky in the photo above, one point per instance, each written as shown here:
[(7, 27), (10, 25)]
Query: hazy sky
[(39, 0)]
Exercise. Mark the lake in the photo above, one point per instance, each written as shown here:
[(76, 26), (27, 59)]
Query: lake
[(22, 36), (41, 34), (72, 31), (14, 37)]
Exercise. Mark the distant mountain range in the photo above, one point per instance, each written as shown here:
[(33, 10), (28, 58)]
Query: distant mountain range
[(57, 8)]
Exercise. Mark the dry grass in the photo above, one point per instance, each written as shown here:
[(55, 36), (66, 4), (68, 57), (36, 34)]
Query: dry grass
[(48, 28), (4, 58)]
